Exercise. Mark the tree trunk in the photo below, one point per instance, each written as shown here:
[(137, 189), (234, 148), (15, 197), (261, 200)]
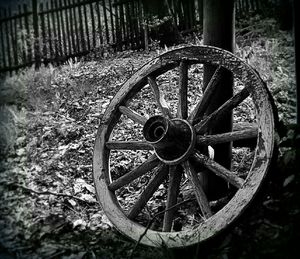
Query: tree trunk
[(218, 30)]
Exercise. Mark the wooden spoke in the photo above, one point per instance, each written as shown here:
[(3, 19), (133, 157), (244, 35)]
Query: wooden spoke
[(227, 137), (173, 191), (200, 195), (133, 115), (152, 186), (128, 145), (219, 170), (182, 110), (161, 102), (142, 169), (201, 107), (213, 118)]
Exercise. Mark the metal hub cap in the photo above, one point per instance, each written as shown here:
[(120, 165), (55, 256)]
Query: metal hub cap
[(173, 140)]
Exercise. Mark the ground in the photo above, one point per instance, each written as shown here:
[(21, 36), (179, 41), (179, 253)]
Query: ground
[(49, 207)]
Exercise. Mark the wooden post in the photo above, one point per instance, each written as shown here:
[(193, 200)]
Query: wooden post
[(35, 19), (218, 30), (44, 49)]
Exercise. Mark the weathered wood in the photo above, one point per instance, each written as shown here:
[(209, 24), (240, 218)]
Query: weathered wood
[(69, 29), (213, 118), (175, 174), (59, 35), (50, 36), (93, 25), (3, 50), (200, 195), (64, 36), (75, 22), (43, 29), (86, 22), (243, 196), (112, 26), (128, 145), (99, 24), (209, 91), (82, 41), (14, 37), (8, 48), (219, 170), (142, 169), (227, 137), (105, 22), (160, 175), (159, 98), (133, 115), (55, 37), (182, 110)]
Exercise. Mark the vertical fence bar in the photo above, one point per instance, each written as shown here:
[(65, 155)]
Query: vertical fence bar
[(58, 29), (63, 31), (99, 24), (43, 31), (2, 34), (49, 33), (86, 27), (35, 19), (69, 28), (93, 25), (75, 23), (55, 56), (81, 29), (7, 41), (14, 37), (118, 33), (122, 25), (70, 32), (105, 21), (112, 21), (22, 45)]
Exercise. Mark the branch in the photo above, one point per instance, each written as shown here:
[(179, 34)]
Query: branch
[(51, 193)]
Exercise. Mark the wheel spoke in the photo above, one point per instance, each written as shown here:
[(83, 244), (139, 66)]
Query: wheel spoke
[(142, 169), (201, 107), (133, 115), (161, 102), (173, 191), (182, 110), (200, 195), (213, 118), (128, 145), (152, 186), (219, 170), (227, 137)]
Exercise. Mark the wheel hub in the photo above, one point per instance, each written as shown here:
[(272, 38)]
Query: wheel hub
[(173, 140)]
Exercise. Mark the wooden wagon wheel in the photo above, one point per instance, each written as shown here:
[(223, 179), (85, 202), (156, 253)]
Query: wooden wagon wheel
[(177, 142)]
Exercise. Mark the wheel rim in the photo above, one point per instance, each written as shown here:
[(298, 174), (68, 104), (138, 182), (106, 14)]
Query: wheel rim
[(214, 222)]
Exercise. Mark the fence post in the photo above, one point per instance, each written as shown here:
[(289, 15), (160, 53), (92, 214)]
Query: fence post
[(35, 19)]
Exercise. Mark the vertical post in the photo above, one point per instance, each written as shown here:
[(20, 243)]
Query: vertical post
[(43, 33), (86, 27), (64, 36), (22, 36), (69, 28), (218, 30), (2, 35), (93, 25), (35, 19), (105, 21)]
